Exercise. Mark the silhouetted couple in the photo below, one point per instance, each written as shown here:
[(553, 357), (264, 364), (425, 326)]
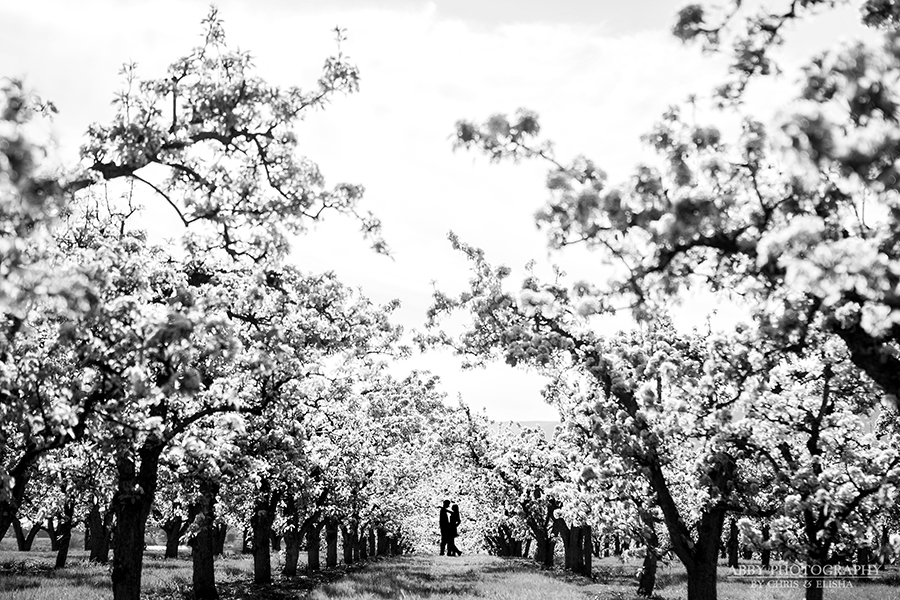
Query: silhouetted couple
[(449, 529)]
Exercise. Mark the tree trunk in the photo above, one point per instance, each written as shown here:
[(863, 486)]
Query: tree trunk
[(732, 544), (814, 589), (24, 541), (540, 548), (647, 581), (362, 546), (292, 537), (573, 539), (565, 535), (863, 560), (52, 534), (20, 475), (348, 543), (576, 543), (765, 555), (381, 542), (101, 532), (172, 529), (93, 516), (701, 581), (261, 522), (276, 542), (291, 552), (246, 546), (371, 538), (220, 533), (203, 545), (313, 541), (586, 546), (331, 540), (64, 533), (544, 549), (134, 498)]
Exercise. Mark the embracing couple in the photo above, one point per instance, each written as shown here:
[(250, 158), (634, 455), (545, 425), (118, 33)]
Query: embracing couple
[(449, 529)]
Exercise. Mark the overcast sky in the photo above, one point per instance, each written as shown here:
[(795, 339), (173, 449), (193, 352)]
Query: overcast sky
[(599, 73)]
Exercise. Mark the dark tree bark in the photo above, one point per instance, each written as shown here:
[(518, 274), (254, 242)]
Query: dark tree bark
[(863, 560), (503, 543), (586, 545), (92, 516), (203, 545), (814, 591), (293, 535), (220, 533), (362, 546), (647, 580), (371, 538), (331, 540), (261, 522), (732, 544), (64, 533), (175, 527), (246, 546), (291, 552), (313, 543), (52, 534), (172, 528), (544, 552), (276, 542), (134, 499), (565, 535), (24, 541), (87, 536), (702, 581), (348, 543), (101, 527), (576, 546), (21, 475), (381, 542)]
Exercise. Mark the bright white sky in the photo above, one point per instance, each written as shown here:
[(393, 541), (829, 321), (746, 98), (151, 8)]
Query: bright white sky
[(598, 72)]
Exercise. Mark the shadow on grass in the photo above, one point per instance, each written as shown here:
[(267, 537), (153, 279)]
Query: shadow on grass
[(15, 583), (21, 575), (409, 578)]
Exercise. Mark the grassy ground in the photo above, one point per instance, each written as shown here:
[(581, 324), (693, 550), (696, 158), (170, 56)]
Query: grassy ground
[(470, 577), (450, 578), (29, 576), (615, 581)]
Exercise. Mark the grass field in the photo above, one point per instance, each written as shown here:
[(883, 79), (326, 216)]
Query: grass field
[(470, 577), (29, 576)]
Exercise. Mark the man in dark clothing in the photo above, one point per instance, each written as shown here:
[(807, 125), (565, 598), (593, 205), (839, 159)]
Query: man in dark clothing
[(445, 526)]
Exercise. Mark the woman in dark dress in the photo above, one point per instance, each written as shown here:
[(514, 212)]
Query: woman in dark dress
[(452, 550)]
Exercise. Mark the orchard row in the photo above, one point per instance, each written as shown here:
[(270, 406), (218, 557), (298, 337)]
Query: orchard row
[(211, 383)]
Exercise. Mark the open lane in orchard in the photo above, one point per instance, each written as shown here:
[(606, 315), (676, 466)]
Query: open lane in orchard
[(456, 578)]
